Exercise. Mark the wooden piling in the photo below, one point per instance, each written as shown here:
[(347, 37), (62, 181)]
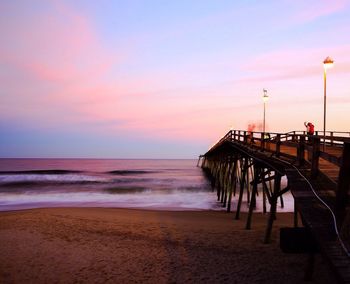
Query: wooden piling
[(199, 159), (226, 181), (281, 201), (233, 183), (241, 190), (248, 183), (253, 199), (239, 172), (272, 217)]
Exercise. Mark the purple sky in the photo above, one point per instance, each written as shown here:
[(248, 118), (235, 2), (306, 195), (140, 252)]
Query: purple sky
[(165, 79)]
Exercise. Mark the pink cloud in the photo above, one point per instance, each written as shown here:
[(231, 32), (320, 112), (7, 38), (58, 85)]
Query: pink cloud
[(60, 45), (295, 63), (312, 10), (57, 63)]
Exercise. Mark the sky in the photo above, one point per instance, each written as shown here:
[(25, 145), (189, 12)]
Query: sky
[(165, 79)]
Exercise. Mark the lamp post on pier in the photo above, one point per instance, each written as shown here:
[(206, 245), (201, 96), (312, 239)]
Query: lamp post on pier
[(265, 99), (327, 63)]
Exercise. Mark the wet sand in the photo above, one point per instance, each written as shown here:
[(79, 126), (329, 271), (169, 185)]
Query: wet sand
[(102, 245)]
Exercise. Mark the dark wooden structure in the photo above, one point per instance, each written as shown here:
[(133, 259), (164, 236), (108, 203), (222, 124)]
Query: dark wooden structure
[(318, 176)]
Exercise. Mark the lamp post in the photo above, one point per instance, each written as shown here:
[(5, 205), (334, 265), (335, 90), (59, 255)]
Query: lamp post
[(265, 99), (327, 63)]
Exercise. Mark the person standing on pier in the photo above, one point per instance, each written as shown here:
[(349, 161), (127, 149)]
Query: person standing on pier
[(310, 128)]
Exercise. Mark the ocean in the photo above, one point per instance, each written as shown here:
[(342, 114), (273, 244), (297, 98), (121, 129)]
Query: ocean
[(154, 184), (147, 184)]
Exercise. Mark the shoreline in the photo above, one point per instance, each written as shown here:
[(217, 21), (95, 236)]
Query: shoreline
[(109, 245), (213, 205)]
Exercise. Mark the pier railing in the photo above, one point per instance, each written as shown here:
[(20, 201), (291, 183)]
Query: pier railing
[(296, 145)]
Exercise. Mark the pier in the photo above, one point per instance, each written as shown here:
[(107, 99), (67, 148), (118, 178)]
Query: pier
[(245, 164)]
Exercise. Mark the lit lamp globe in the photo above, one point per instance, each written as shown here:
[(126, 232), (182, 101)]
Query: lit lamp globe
[(265, 96), (328, 63)]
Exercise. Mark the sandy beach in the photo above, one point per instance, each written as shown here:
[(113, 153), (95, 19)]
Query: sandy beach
[(102, 245)]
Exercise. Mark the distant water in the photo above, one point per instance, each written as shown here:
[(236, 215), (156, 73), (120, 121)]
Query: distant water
[(156, 184), (153, 184)]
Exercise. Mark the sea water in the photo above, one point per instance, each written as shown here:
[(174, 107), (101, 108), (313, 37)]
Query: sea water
[(152, 184)]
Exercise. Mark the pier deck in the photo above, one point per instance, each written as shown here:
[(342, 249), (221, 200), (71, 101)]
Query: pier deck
[(318, 174)]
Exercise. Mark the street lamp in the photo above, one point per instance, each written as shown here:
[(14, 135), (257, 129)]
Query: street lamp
[(265, 99), (327, 63)]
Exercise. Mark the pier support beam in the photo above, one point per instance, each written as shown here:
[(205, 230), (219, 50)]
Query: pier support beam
[(253, 199), (272, 217), (241, 189), (233, 183)]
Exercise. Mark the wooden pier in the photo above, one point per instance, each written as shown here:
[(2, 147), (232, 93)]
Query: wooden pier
[(244, 164)]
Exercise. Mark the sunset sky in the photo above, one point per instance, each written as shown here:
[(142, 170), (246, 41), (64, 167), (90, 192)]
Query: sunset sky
[(165, 79)]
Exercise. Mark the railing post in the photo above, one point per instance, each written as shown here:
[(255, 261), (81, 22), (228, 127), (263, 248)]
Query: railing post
[(301, 150), (245, 138), (268, 142), (273, 209), (278, 144), (331, 138), (234, 135), (262, 141), (342, 196), (315, 156)]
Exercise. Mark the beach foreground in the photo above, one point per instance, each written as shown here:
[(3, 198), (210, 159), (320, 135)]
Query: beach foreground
[(102, 245)]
